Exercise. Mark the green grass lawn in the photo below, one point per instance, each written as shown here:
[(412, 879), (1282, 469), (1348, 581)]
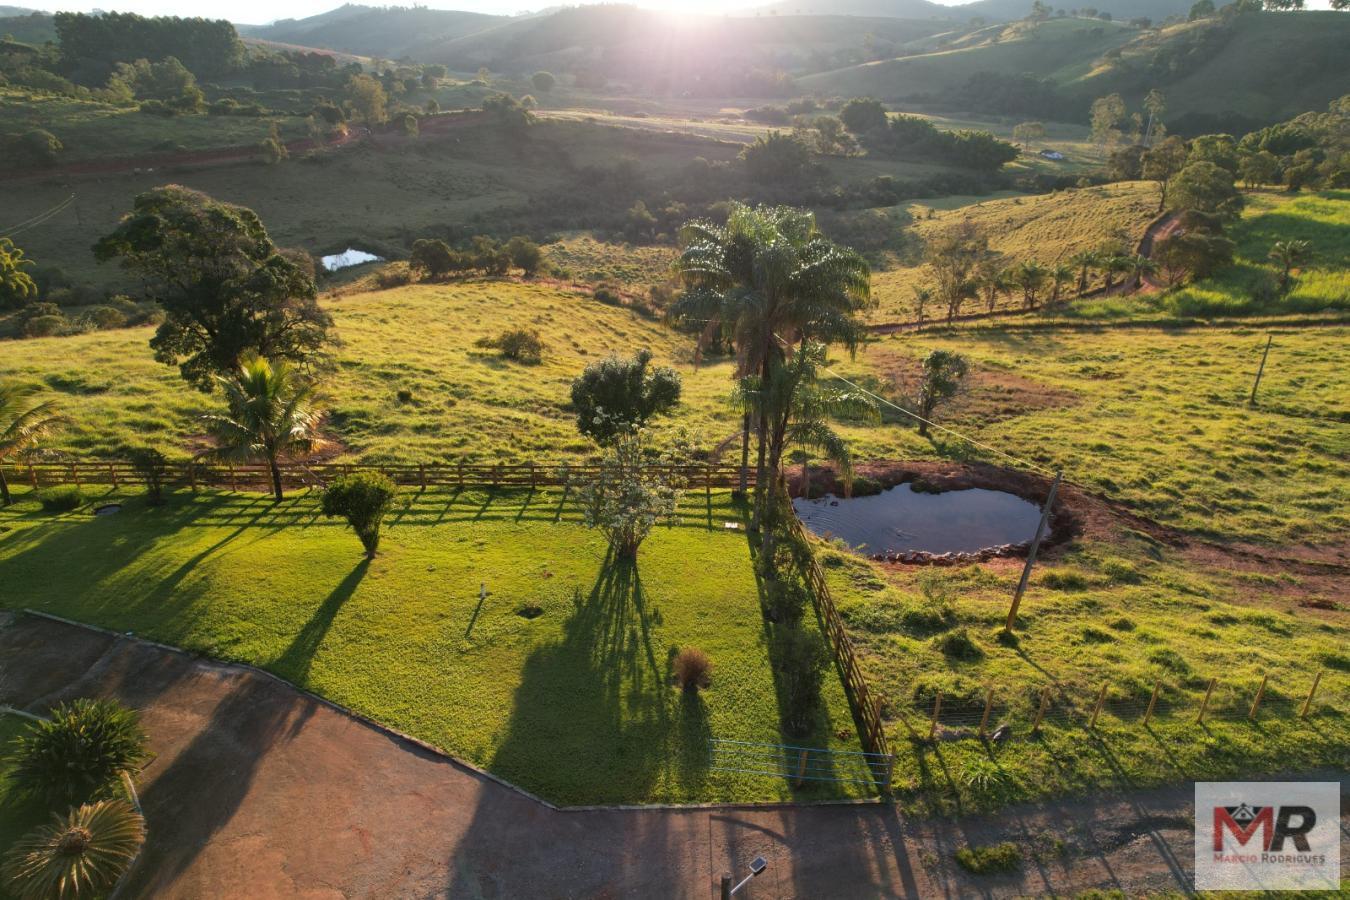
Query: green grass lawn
[(1126, 613), (575, 704)]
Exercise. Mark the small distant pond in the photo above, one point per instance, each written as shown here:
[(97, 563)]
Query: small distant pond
[(348, 258), (903, 520)]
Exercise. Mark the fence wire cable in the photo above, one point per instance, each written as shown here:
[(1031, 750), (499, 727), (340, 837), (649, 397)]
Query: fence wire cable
[(36, 220)]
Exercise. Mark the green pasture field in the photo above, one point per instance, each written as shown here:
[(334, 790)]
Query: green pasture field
[(1050, 228), (575, 704), (1129, 613)]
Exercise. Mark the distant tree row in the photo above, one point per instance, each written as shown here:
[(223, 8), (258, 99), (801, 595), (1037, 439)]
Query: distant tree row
[(435, 259), (91, 46)]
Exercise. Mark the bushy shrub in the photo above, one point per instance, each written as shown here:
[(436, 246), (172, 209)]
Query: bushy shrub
[(363, 499), (82, 855), (800, 658), (104, 317), (45, 326), (81, 752), (693, 669), (786, 598), (866, 487), (990, 860), (152, 467), (518, 344), (614, 394), (960, 645), (62, 498)]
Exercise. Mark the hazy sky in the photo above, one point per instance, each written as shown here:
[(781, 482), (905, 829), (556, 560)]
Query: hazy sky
[(259, 12)]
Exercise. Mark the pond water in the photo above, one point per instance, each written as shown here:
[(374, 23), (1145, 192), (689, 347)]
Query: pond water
[(901, 519), (347, 258)]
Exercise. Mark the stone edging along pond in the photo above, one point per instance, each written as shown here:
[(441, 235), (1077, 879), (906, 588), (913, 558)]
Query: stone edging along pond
[(940, 477)]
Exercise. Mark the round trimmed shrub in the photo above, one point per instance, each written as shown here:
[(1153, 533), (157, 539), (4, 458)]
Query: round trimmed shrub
[(62, 498), (81, 752), (362, 498)]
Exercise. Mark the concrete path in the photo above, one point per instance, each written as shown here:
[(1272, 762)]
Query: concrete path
[(260, 791)]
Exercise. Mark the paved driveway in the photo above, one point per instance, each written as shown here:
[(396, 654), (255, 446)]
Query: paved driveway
[(260, 791)]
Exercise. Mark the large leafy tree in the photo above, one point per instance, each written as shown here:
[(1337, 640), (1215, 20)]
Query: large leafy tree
[(614, 394), (22, 425), (765, 281), (953, 257), (16, 285), (1207, 188), (270, 417), (943, 372), (226, 290)]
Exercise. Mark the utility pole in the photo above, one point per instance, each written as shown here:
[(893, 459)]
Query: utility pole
[(1251, 401), (1031, 553)]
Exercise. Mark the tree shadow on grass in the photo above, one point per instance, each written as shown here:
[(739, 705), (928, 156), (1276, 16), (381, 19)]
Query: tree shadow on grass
[(592, 720), (294, 662)]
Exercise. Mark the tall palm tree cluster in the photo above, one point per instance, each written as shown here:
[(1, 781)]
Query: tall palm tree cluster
[(778, 292)]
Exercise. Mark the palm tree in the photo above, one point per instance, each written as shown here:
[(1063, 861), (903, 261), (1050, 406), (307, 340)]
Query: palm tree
[(79, 855), (1030, 276), (22, 426), (1060, 274), (1288, 255), (768, 280), (1140, 266), (922, 296), (269, 418), (1085, 260)]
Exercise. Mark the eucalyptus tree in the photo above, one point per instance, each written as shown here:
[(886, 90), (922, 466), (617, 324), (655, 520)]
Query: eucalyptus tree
[(270, 417), (768, 281)]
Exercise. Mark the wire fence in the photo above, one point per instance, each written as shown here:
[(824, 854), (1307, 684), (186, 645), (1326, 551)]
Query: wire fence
[(258, 477), (952, 717), (799, 765)]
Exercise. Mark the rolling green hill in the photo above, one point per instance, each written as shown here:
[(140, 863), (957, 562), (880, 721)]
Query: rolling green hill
[(1226, 73), (372, 31)]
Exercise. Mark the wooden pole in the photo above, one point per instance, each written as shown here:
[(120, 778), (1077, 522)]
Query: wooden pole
[(707, 485), (1097, 709), (1040, 712), (1307, 704), (75, 473), (988, 705), (1251, 401), (32, 476), (937, 709), (801, 767), (1152, 701), (112, 474), (890, 773), (1256, 701), (422, 475), (1204, 704), (461, 472), (234, 485), (1031, 554)]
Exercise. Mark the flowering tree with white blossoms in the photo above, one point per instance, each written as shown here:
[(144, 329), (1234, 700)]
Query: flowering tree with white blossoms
[(634, 489)]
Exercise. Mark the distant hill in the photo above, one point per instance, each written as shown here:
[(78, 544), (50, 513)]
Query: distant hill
[(26, 25), (679, 52), (1234, 74), (372, 31), (990, 10)]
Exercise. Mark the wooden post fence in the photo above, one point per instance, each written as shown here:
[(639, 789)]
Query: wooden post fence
[(1251, 401), (1312, 691), (1152, 701), (937, 711), (1031, 554), (1204, 704), (1040, 711), (1256, 701), (988, 705), (1097, 708)]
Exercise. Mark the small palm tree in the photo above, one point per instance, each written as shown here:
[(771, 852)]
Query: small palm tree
[(1140, 266), (81, 855), (922, 297), (1113, 265), (1289, 255), (1060, 275), (1030, 276), (270, 417), (21, 426), (1086, 261)]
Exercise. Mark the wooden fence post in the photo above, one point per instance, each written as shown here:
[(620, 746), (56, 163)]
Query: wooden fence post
[(32, 476), (75, 474), (801, 767), (937, 710), (1031, 554), (890, 773), (1097, 709), (1152, 702), (1204, 704), (234, 484), (1256, 701), (1040, 712), (988, 705), (112, 474), (532, 473), (461, 471), (192, 476), (1307, 704), (707, 484), (1251, 401), (422, 475)]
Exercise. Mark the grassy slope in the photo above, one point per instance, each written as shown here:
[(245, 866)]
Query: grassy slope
[(1323, 220), (1060, 49), (466, 401), (1047, 227), (1127, 614), (575, 704), (1157, 419)]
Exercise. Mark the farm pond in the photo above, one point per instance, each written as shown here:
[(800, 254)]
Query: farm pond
[(902, 520)]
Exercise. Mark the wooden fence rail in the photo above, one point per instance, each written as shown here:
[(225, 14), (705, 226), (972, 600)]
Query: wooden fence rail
[(865, 704), (258, 477)]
